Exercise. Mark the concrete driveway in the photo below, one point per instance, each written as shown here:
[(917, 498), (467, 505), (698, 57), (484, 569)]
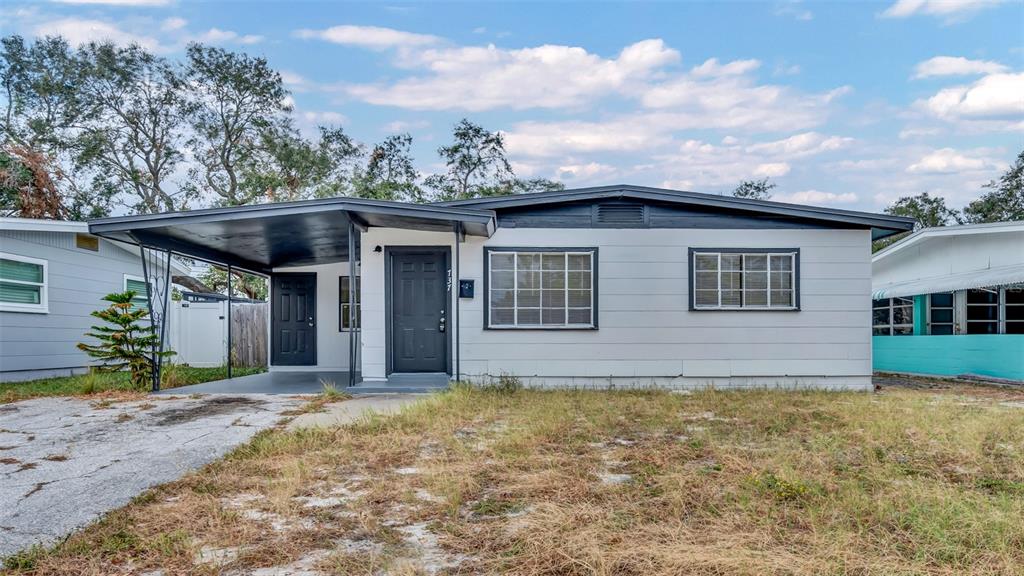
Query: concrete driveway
[(65, 462)]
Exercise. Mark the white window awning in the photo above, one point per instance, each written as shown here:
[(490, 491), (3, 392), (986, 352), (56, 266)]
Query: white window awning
[(987, 278)]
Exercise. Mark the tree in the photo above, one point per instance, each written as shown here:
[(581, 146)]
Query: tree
[(124, 344), (242, 284), (139, 116), (518, 186), (1005, 199), (475, 160), (390, 173), (285, 166), (754, 189), (929, 211), (237, 98), (42, 119)]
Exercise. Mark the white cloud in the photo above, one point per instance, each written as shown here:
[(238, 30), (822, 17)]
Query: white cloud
[(956, 66), (117, 2), (171, 24), (218, 36), (817, 197), (795, 9), (399, 126), (993, 96), (588, 171), (950, 10), (910, 133), (552, 139), (372, 37), (948, 160), (323, 117), (84, 30), (711, 67), (800, 145), (483, 78), (772, 169), (783, 69)]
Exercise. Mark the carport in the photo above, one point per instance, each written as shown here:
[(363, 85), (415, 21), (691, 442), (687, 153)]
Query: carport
[(261, 238)]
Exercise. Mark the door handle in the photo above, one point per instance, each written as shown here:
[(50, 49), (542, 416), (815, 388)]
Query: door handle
[(441, 323), (311, 322)]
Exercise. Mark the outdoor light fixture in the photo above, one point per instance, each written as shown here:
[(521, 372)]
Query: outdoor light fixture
[(378, 248)]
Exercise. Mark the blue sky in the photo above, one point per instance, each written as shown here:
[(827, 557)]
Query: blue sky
[(844, 104)]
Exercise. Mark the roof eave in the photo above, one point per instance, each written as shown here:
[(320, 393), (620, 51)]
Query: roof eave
[(894, 224)]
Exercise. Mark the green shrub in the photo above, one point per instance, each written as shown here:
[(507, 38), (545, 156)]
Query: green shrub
[(123, 343)]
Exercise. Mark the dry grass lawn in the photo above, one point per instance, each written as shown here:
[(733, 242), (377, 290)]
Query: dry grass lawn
[(528, 482)]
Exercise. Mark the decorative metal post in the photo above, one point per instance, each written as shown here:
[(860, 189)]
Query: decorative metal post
[(156, 269), (229, 321)]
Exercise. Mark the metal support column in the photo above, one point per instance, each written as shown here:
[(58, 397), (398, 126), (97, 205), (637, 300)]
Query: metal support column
[(229, 320), (354, 320)]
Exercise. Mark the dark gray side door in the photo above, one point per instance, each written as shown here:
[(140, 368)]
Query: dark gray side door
[(293, 319), (419, 310)]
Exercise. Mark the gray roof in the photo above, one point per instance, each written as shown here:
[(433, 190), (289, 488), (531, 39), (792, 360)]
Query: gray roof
[(881, 222), (260, 237)]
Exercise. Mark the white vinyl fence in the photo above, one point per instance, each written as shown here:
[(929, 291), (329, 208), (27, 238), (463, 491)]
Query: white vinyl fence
[(198, 333)]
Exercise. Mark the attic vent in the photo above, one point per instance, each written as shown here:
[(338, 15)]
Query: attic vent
[(620, 214)]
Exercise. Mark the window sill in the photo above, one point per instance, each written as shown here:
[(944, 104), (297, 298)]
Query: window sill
[(776, 309), (545, 328), (24, 309)]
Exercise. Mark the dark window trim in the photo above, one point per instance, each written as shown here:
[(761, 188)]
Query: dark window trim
[(593, 286), (343, 303), (689, 277)]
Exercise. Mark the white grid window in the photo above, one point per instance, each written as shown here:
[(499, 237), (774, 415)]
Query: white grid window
[(893, 317), (740, 280), (542, 289), (22, 284)]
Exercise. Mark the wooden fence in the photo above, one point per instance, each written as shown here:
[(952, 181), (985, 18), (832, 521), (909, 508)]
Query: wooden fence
[(249, 334)]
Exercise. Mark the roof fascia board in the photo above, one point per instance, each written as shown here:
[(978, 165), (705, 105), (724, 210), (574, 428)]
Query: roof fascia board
[(682, 197), (938, 232), (284, 209), (37, 225)]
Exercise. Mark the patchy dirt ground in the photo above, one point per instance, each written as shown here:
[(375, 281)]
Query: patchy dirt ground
[(903, 481), (66, 461)]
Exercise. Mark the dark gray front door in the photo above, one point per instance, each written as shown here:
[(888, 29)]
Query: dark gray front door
[(419, 310), (293, 320)]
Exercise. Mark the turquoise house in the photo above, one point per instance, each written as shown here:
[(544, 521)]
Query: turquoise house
[(950, 302)]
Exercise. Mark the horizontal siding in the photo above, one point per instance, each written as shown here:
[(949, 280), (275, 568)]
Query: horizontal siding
[(646, 328), (77, 281)]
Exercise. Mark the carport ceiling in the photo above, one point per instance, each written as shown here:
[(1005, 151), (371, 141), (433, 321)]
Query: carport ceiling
[(260, 238)]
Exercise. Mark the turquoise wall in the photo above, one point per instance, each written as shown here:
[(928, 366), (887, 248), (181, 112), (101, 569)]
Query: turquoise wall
[(997, 355)]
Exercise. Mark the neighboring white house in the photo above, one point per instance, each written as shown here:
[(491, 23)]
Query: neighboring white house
[(53, 274), (612, 286), (950, 301)]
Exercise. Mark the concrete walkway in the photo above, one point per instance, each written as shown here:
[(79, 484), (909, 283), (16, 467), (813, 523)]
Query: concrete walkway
[(341, 413), (64, 462)]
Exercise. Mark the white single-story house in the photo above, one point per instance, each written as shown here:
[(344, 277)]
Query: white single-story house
[(949, 301), (611, 286), (53, 274)]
